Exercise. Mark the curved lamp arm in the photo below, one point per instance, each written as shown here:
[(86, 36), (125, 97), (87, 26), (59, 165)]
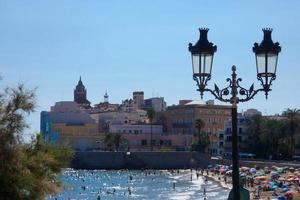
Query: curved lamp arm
[(237, 92)]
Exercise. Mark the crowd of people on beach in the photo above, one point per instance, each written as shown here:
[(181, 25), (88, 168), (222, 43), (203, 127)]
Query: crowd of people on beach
[(265, 183)]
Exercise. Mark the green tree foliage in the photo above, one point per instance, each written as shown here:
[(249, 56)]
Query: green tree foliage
[(202, 137), (292, 124), (27, 170), (162, 119), (113, 141), (271, 137), (202, 143), (199, 124), (151, 115), (254, 128)]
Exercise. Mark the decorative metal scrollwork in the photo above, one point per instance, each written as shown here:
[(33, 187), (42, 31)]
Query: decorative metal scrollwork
[(237, 92)]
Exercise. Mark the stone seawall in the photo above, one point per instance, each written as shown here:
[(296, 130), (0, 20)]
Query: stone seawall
[(140, 160)]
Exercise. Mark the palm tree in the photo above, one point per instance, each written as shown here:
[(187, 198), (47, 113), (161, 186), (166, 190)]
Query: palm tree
[(150, 115), (254, 128), (202, 137), (199, 124), (273, 137), (293, 119), (113, 141), (162, 119), (109, 141)]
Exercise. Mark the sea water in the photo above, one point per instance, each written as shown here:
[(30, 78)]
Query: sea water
[(137, 185)]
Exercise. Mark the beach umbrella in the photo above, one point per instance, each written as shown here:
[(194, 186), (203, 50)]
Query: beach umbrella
[(291, 175), (264, 182), (290, 179), (274, 173), (261, 177), (281, 198), (252, 170), (245, 169), (261, 173), (273, 187), (222, 171), (279, 170), (289, 194), (285, 185), (272, 183), (285, 189), (229, 172)]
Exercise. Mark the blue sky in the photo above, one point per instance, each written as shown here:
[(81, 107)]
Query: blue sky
[(123, 46)]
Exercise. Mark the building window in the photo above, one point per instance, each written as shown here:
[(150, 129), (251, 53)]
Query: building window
[(144, 142), (228, 130), (221, 136), (47, 127), (240, 130), (240, 138), (161, 142), (221, 144), (228, 138)]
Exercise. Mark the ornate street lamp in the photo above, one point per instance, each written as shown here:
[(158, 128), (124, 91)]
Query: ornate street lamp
[(266, 63), (266, 54), (202, 58)]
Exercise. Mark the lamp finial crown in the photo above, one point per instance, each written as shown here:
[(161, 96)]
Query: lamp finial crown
[(267, 36), (203, 34), (233, 68)]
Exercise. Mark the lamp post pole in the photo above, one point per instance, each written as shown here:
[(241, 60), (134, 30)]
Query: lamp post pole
[(266, 62), (235, 154), (235, 158)]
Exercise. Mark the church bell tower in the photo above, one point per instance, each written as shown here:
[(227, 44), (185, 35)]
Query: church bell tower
[(80, 94)]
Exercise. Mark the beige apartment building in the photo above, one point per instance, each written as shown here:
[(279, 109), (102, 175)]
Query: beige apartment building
[(180, 120), (79, 136)]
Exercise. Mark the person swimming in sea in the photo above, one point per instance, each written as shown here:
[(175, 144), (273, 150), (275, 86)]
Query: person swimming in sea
[(129, 190)]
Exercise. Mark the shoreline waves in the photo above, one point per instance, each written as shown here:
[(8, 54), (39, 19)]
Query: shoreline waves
[(139, 185)]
